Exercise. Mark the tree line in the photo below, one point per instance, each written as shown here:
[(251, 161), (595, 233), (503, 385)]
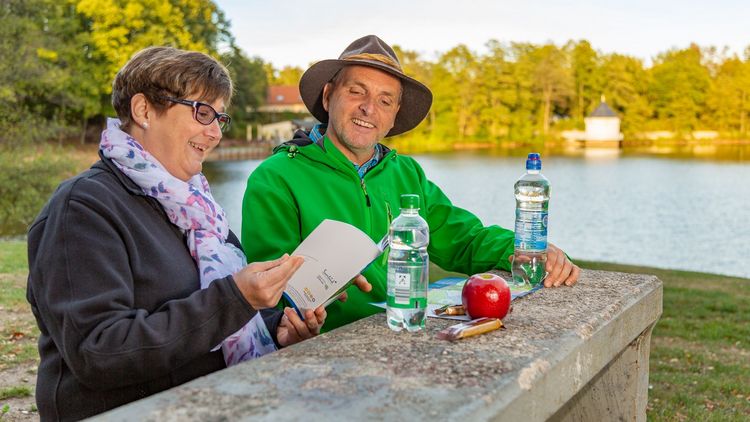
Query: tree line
[(522, 91), (60, 56)]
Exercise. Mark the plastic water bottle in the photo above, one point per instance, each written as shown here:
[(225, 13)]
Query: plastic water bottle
[(532, 204), (408, 268)]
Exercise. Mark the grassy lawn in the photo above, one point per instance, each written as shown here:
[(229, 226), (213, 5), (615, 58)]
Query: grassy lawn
[(700, 349), (18, 336), (18, 330)]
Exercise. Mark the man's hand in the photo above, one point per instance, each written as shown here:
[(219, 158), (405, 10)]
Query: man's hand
[(362, 284), (262, 283), (293, 330), (559, 268)]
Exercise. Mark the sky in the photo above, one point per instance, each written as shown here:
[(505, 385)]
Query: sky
[(298, 32)]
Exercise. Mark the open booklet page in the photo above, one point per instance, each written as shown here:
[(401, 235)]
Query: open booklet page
[(334, 253)]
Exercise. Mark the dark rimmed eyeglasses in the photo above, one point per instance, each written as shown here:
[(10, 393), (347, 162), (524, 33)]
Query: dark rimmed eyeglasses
[(204, 113)]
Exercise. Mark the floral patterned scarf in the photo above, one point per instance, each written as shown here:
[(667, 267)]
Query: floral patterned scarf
[(191, 207)]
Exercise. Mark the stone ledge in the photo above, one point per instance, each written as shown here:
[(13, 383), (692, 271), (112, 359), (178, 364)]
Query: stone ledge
[(556, 342)]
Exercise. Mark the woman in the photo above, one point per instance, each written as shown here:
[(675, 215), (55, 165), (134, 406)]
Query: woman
[(135, 280)]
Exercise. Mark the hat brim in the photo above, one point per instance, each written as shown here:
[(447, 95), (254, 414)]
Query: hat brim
[(416, 98)]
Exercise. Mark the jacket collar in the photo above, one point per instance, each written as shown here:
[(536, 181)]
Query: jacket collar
[(107, 165)]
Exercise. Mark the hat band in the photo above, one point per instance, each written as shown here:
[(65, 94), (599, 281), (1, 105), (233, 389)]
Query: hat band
[(376, 57)]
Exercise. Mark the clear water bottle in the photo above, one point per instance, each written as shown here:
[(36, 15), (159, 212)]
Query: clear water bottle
[(408, 268), (532, 204)]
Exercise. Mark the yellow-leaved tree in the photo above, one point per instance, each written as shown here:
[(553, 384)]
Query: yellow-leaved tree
[(119, 28)]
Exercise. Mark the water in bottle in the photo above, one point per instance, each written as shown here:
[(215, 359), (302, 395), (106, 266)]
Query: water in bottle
[(532, 204), (406, 300)]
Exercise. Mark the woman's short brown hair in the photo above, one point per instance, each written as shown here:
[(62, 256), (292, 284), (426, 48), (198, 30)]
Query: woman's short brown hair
[(159, 72)]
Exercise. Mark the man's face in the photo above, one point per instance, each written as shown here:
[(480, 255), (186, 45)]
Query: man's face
[(362, 105)]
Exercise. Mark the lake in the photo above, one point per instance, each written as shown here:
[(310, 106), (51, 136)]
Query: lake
[(677, 212)]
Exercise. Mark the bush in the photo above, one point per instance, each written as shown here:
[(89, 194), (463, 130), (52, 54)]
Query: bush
[(28, 176)]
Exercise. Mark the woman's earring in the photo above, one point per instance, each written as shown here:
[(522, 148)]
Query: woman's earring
[(145, 125)]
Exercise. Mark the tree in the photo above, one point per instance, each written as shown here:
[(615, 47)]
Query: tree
[(523, 121), (250, 84), (584, 62), (497, 91), (114, 30), (120, 28), (421, 70), (35, 75), (552, 81), (454, 91), (679, 84), (729, 96), (625, 82)]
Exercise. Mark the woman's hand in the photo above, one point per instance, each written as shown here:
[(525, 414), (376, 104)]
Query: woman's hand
[(262, 283), (293, 330), (362, 284)]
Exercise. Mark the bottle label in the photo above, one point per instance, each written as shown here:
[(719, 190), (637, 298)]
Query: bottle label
[(402, 290), (531, 230)]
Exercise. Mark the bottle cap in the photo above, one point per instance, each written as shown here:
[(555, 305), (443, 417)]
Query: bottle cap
[(410, 201), (534, 161)]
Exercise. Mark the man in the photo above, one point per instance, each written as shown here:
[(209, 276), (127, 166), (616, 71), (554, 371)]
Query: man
[(340, 171)]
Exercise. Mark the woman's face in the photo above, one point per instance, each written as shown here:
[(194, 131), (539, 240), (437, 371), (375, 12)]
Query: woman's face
[(180, 142)]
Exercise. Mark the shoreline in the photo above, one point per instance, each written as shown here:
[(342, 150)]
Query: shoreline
[(718, 149)]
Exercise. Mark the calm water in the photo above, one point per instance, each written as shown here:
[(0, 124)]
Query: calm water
[(662, 212)]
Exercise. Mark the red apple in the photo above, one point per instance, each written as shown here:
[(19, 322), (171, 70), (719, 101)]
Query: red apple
[(486, 295)]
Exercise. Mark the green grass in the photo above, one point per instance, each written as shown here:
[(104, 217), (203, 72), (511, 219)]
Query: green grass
[(700, 348), (12, 392), (18, 329), (13, 257)]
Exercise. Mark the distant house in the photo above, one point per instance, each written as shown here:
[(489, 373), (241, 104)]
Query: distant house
[(285, 112), (282, 131), (602, 126), (283, 98)]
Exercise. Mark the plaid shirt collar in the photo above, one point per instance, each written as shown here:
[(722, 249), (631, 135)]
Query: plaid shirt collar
[(317, 133)]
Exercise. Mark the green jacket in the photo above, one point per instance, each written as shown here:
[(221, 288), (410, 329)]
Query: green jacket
[(298, 187)]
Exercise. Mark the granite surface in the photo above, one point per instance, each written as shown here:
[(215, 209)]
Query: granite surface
[(555, 341)]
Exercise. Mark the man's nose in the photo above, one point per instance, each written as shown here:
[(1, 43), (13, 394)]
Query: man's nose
[(367, 105)]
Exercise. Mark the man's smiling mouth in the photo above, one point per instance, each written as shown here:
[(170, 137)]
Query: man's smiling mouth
[(363, 123)]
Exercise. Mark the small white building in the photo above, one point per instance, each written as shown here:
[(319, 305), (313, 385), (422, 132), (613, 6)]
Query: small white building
[(603, 126)]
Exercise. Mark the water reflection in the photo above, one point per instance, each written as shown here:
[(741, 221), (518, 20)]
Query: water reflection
[(228, 180)]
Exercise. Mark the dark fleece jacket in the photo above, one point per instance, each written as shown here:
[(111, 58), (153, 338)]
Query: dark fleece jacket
[(117, 299)]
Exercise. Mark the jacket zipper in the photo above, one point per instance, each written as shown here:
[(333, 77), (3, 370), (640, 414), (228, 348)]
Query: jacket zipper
[(364, 189), (387, 250)]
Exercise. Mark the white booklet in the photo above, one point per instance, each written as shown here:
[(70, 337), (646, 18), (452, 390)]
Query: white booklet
[(335, 252)]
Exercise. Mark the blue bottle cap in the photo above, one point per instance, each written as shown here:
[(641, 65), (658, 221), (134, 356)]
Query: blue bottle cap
[(534, 161)]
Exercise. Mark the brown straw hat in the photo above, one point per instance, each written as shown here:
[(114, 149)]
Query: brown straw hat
[(373, 52)]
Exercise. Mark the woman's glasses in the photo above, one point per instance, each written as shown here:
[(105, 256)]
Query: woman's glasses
[(204, 113)]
